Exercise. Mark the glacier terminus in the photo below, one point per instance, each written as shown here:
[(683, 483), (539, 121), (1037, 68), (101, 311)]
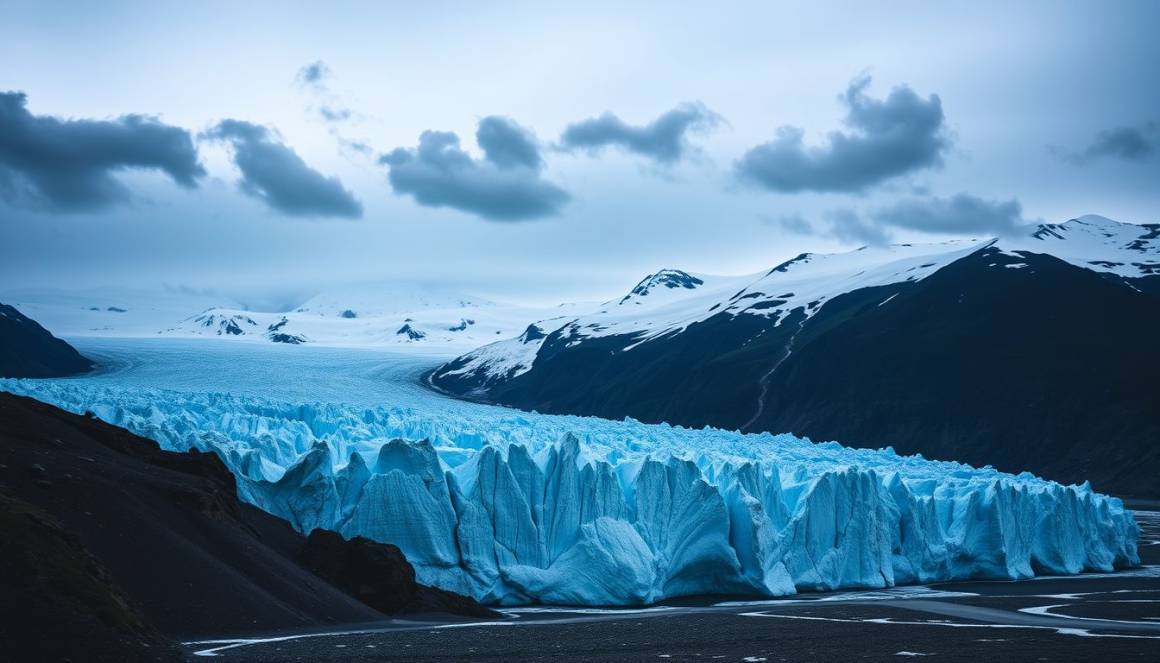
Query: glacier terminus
[(515, 507)]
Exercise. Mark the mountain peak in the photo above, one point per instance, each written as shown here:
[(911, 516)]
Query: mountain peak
[(670, 279), (1096, 220)]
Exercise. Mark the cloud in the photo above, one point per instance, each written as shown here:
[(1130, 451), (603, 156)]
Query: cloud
[(69, 165), (315, 79), (663, 140), (505, 185), (333, 114), (848, 227), (886, 139), (791, 223), (1124, 143), (842, 225), (962, 213), (507, 144), (314, 75), (275, 174)]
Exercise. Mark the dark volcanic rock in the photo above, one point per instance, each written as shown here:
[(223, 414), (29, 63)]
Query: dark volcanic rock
[(411, 333), (59, 602), (28, 350), (170, 534), (379, 575), (274, 333)]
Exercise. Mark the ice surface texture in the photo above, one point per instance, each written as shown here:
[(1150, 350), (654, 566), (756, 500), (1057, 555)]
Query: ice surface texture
[(516, 507)]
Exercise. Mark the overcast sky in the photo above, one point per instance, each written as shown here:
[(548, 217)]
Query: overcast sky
[(548, 153)]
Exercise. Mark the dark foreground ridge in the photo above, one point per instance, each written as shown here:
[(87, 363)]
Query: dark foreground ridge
[(28, 350), (111, 547)]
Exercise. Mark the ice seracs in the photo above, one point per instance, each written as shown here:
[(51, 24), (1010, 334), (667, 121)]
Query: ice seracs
[(516, 507)]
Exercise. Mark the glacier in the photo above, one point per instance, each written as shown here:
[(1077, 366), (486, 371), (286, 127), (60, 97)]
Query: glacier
[(516, 507)]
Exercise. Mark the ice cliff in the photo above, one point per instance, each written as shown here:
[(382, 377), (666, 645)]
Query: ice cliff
[(516, 507)]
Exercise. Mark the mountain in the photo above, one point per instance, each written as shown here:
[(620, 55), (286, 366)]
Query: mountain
[(28, 350), (113, 546), (400, 316), (1036, 352), (112, 311)]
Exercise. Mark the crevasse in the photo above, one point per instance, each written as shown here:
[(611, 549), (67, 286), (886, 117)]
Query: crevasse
[(516, 507)]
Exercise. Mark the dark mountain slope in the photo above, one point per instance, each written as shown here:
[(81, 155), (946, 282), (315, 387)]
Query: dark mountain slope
[(1048, 368), (28, 350), (58, 602), (177, 544), (1024, 363)]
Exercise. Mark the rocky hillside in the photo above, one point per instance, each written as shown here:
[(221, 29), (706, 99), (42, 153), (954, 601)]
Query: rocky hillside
[(28, 350), (112, 547)]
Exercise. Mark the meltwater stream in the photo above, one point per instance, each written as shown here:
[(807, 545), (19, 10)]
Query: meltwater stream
[(515, 507)]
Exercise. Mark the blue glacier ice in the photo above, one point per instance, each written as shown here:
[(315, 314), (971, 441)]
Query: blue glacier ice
[(515, 507)]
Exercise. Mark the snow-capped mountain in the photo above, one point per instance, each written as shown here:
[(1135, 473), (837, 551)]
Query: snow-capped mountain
[(121, 312), (399, 316), (395, 316), (1033, 352)]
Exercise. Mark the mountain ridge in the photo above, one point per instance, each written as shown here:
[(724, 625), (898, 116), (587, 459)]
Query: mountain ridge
[(737, 359)]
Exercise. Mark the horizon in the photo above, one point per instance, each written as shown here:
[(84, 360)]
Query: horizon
[(721, 150), (286, 302)]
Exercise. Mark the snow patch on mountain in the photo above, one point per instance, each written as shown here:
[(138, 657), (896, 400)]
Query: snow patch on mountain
[(503, 360), (1096, 243), (658, 286)]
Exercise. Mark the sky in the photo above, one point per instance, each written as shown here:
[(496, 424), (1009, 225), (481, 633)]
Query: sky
[(537, 153)]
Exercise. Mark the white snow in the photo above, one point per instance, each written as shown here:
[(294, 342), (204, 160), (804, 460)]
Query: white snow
[(400, 316), (1094, 242), (807, 282), (120, 312), (515, 507), (370, 315)]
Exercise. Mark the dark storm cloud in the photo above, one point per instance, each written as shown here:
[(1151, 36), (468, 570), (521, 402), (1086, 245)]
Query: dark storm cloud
[(842, 225), (887, 139), (960, 214), (663, 140), (507, 144), (313, 75), (848, 227), (1123, 143), (791, 223), (69, 165), (275, 174), (505, 185)]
